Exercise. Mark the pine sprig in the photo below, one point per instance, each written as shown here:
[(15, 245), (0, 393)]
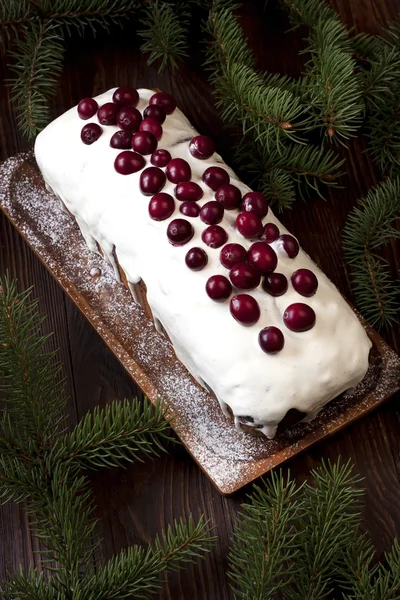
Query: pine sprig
[(333, 88), (75, 15), (261, 106), (114, 436), (303, 542), (38, 61), (164, 31), (265, 540), (370, 226), (32, 586), (29, 377), (36, 32), (272, 113), (136, 572), (281, 174), (329, 523), (42, 467)]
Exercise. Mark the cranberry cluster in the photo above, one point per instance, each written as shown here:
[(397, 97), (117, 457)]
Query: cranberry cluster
[(137, 137), (136, 132)]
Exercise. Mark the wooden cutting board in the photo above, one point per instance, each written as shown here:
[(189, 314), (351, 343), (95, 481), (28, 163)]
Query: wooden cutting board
[(230, 458)]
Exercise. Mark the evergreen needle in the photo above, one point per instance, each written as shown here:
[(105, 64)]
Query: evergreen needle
[(42, 466)]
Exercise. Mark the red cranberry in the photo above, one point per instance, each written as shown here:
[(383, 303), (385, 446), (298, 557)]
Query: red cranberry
[(189, 209), (271, 340), (178, 170), (129, 118), (107, 114), (255, 202), (289, 244), (218, 288), (299, 317), (87, 108), (161, 206), (196, 259), (231, 254), (249, 225), (188, 190), (214, 177), (229, 195), (304, 282), (271, 233), (90, 133), (153, 126), (152, 180), (201, 147), (160, 158), (245, 309), (212, 212), (245, 276), (166, 101), (214, 236), (121, 139), (126, 96), (144, 142), (155, 112), (128, 162), (263, 257), (275, 284), (179, 232)]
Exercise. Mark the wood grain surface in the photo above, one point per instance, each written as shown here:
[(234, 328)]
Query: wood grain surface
[(134, 504)]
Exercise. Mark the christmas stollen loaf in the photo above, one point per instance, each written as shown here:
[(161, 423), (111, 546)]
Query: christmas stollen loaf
[(248, 313)]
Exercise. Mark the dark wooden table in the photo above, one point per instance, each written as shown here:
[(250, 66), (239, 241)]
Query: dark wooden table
[(135, 504)]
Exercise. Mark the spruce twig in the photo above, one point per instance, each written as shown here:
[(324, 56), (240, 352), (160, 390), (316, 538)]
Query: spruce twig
[(74, 15), (263, 552), (29, 378), (38, 60), (369, 227), (303, 542), (42, 468), (333, 88), (164, 33), (136, 572), (329, 523), (271, 112), (114, 436)]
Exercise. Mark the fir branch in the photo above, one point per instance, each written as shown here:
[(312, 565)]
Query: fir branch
[(136, 572), (14, 16), (383, 132), (370, 226), (32, 586), (309, 12), (331, 517), (228, 44), (268, 112), (38, 63), (64, 522), (164, 34), (379, 583), (29, 377), (366, 47), (334, 90), (46, 473), (382, 77), (19, 481), (73, 15), (272, 172), (114, 436), (264, 547)]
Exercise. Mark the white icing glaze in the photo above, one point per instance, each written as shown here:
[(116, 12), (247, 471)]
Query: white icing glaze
[(313, 367)]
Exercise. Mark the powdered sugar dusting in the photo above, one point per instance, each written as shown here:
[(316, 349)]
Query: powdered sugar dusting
[(231, 458)]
